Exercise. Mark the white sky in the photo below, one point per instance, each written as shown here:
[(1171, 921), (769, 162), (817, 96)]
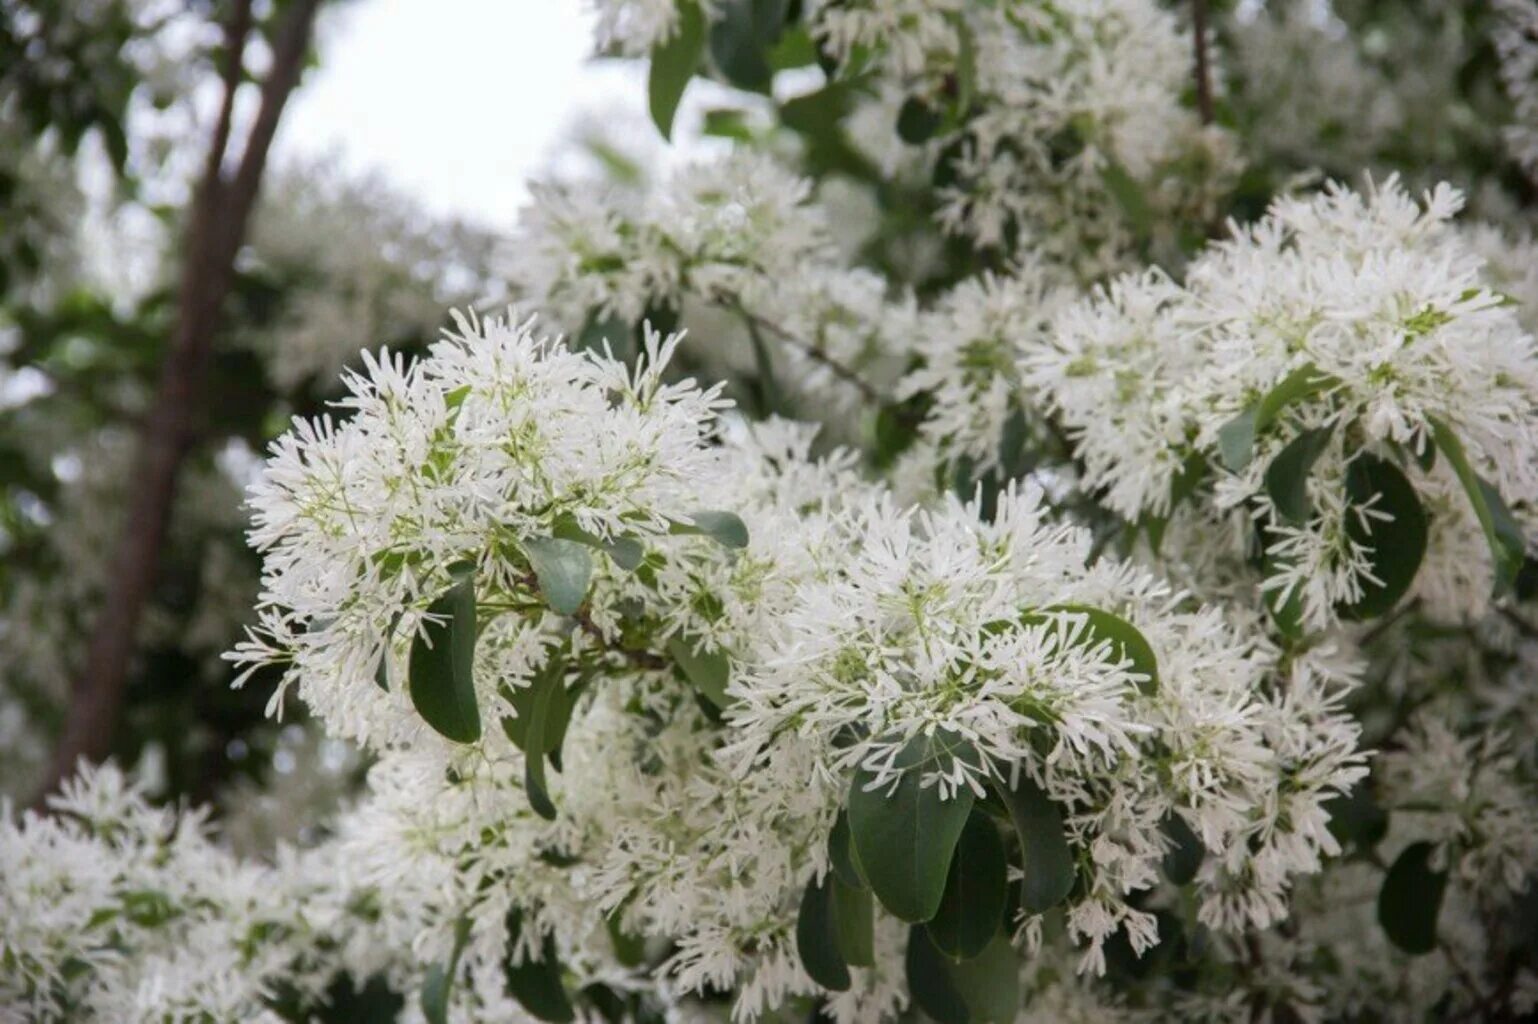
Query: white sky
[(456, 102)]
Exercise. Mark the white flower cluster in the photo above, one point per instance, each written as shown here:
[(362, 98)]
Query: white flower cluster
[(741, 235), (1340, 327), (114, 910), (852, 628), (1516, 44)]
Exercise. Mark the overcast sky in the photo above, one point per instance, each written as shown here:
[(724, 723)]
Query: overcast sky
[(456, 101)]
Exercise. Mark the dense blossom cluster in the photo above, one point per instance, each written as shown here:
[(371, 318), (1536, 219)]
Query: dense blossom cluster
[(1341, 327), (1120, 645)]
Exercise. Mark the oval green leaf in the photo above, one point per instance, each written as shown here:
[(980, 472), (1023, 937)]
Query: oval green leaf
[(817, 937), (1287, 476), (1045, 855), (442, 683), (563, 568), (975, 892), (929, 981), (725, 528), (673, 64), (1395, 546), (904, 833)]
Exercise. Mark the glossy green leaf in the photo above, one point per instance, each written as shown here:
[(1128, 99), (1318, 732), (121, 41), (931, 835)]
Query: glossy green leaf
[(854, 923), (627, 552), (989, 983), (742, 33), (1287, 476), (1508, 545), (975, 891), (1411, 899), (725, 528), (1236, 439), (442, 683), (536, 982), (673, 64), (439, 982), (841, 853), (547, 714), (1395, 546), (1127, 641), (1045, 855), (929, 981), (817, 937), (709, 671), (905, 833), (1184, 857), (563, 567)]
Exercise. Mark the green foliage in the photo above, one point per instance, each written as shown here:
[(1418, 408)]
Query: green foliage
[(442, 683), (536, 982), (563, 568), (1411, 900), (1508, 546), (1236, 440), (1046, 858), (673, 64), (972, 908), (905, 832), (1395, 546), (817, 937), (1287, 476)]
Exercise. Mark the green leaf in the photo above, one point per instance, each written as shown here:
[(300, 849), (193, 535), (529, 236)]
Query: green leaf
[(440, 978), (435, 995), (917, 121), (1508, 546), (627, 552), (563, 568), (547, 716), (1236, 439), (725, 528), (536, 983), (841, 853), (673, 64), (929, 981), (1356, 817), (975, 892), (1396, 546), (442, 684), (1129, 195), (1411, 899), (1287, 476), (728, 123), (709, 671), (989, 983), (1184, 857), (741, 36), (629, 950), (817, 937), (904, 833), (854, 923), (1127, 641), (1044, 851)]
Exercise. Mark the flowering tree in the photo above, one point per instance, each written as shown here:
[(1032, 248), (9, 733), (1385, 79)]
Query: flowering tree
[(998, 543)]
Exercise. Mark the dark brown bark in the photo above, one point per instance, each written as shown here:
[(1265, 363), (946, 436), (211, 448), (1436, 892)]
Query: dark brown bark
[(221, 207), (1203, 69)]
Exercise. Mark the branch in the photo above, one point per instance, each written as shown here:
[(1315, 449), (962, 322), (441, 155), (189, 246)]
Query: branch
[(221, 209), (1203, 71)]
